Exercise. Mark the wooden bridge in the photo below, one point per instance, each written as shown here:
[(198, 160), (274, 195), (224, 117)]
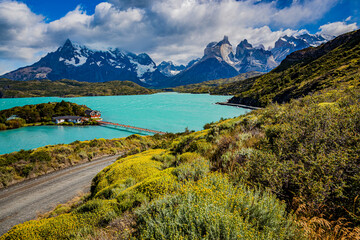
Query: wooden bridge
[(130, 127)]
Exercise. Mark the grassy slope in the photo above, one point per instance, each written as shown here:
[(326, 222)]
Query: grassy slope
[(68, 88)]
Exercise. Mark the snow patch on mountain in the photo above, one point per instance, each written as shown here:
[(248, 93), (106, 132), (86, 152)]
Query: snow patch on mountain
[(142, 69)]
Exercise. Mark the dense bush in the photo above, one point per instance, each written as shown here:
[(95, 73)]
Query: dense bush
[(213, 208)]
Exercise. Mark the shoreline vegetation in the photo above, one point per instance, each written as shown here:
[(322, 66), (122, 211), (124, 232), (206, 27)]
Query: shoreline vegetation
[(23, 165), (238, 105), (68, 88), (42, 114)]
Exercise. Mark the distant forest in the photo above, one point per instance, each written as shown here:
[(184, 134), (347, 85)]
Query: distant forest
[(68, 88)]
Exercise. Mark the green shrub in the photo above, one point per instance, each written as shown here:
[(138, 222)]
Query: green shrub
[(2, 126), (40, 156), (213, 208), (15, 123), (194, 170), (25, 171)]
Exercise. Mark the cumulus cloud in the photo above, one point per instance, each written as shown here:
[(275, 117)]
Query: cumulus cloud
[(22, 31), (176, 30), (337, 28)]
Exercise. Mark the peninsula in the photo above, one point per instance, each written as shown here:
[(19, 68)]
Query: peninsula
[(65, 113)]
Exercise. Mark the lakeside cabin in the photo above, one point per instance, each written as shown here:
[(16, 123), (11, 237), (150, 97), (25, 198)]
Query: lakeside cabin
[(93, 113), (12, 117), (73, 119)]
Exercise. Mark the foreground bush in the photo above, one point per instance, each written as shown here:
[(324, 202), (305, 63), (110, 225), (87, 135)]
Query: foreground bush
[(213, 208), (122, 186)]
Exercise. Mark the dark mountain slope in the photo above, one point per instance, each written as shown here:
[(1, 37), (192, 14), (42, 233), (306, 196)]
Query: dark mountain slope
[(219, 86)]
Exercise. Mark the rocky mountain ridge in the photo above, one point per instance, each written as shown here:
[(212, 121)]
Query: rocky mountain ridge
[(221, 61), (73, 61), (80, 63)]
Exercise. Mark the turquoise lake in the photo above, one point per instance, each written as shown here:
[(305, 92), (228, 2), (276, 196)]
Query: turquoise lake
[(167, 112)]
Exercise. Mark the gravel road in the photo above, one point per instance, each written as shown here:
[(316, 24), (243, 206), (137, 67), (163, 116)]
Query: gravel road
[(23, 201)]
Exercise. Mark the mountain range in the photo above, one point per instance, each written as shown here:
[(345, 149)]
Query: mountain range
[(221, 61), (73, 61)]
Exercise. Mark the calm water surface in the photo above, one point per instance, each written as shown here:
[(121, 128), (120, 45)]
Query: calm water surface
[(168, 112)]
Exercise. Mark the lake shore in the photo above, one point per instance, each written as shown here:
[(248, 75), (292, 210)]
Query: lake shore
[(238, 105)]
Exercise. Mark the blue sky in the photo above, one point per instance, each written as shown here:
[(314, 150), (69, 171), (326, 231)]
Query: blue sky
[(55, 9), (176, 30)]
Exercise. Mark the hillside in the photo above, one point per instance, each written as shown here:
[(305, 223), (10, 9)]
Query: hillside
[(68, 88), (304, 72)]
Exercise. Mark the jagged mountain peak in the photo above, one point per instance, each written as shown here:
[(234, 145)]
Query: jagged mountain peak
[(288, 44), (77, 62), (244, 44), (67, 43), (67, 46), (224, 41), (222, 51)]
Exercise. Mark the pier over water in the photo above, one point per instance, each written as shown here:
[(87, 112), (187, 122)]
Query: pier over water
[(131, 127)]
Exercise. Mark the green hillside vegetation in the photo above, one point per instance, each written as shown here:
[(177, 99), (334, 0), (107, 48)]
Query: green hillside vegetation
[(287, 171), (219, 86), (68, 88), (36, 114)]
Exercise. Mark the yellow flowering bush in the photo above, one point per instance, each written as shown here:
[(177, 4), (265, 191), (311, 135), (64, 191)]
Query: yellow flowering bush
[(139, 167), (212, 208), (62, 227)]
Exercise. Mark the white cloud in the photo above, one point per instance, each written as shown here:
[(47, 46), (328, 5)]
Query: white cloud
[(337, 28), (175, 30), (21, 31)]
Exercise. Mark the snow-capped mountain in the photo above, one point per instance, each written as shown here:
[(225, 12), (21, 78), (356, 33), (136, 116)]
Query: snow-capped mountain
[(169, 68), (221, 61), (217, 62), (286, 45), (250, 59), (80, 63)]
